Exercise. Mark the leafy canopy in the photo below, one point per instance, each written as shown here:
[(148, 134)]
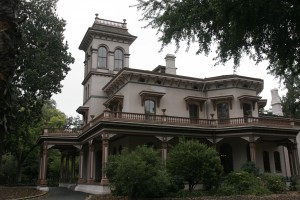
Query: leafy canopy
[(194, 163), (137, 174), (262, 29)]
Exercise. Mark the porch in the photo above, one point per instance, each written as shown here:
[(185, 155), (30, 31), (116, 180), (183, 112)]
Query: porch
[(249, 138)]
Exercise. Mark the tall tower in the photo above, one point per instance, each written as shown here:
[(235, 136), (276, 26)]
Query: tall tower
[(106, 47)]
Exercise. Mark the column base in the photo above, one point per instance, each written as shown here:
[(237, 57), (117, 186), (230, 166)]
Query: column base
[(81, 180), (104, 181), (42, 182), (90, 180)]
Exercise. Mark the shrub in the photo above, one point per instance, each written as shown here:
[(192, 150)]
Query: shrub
[(274, 182), (250, 168), (137, 174), (242, 183), (295, 184), (193, 162)]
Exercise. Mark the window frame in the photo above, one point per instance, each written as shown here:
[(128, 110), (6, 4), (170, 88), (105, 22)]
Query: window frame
[(145, 106), (101, 57), (227, 117), (119, 59)]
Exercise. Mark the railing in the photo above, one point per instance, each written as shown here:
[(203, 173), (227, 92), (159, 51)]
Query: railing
[(111, 23), (240, 121), (62, 131), (173, 120)]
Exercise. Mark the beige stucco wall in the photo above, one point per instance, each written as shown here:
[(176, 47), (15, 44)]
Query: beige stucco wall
[(174, 103)]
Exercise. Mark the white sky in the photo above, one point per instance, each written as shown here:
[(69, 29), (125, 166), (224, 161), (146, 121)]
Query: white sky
[(80, 15)]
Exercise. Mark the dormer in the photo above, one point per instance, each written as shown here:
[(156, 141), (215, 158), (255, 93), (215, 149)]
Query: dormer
[(106, 46)]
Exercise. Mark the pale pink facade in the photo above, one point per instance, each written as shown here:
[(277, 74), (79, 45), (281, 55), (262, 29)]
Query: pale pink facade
[(125, 107)]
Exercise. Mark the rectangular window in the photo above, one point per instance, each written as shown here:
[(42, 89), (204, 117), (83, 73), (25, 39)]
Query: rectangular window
[(266, 160)]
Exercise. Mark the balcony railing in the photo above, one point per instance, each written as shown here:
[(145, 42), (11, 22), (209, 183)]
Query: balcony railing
[(173, 120)]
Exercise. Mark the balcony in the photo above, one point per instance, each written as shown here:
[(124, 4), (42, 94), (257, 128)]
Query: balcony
[(115, 117)]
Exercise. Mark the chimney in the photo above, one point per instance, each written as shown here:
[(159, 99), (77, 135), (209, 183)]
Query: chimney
[(276, 103), (170, 64)]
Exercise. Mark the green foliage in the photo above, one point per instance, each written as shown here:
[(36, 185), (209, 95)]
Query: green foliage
[(73, 122), (242, 183), (250, 168), (8, 172), (137, 174), (42, 63), (24, 148), (273, 182), (291, 100), (295, 184), (262, 29), (194, 163), (53, 167)]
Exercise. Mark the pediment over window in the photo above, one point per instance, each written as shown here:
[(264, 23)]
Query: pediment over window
[(196, 100), (114, 100), (248, 99), (151, 95), (262, 103), (227, 98), (82, 110)]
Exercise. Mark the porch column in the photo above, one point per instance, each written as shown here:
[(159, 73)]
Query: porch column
[(252, 145), (297, 164), (73, 166), (62, 157), (91, 163), (67, 167), (164, 149), (105, 144), (294, 160), (80, 179), (43, 165)]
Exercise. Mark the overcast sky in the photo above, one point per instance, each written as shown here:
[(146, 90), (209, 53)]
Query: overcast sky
[(80, 15)]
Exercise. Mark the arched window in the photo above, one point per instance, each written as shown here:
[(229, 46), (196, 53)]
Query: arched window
[(118, 60), (102, 57), (266, 160), (277, 161)]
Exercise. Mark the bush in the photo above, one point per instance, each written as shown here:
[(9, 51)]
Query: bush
[(195, 163), (242, 183), (295, 184), (273, 182), (138, 174), (250, 168)]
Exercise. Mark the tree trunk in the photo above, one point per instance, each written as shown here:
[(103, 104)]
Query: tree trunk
[(19, 171)]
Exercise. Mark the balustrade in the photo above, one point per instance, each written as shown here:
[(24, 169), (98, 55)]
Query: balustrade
[(164, 119)]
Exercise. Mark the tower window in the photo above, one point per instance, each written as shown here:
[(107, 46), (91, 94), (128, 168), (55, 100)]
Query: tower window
[(102, 57), (118, 60)]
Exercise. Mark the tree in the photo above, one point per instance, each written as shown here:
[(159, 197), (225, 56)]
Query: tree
[(9, 42), (195, 163), (25, 144), (137, 174), (291, 100), (73, 122), (262, 29), (42, 63)]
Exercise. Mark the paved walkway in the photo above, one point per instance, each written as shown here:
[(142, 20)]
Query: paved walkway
[(59, 193)]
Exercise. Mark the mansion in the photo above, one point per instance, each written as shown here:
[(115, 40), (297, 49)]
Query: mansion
[(125, 107)]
